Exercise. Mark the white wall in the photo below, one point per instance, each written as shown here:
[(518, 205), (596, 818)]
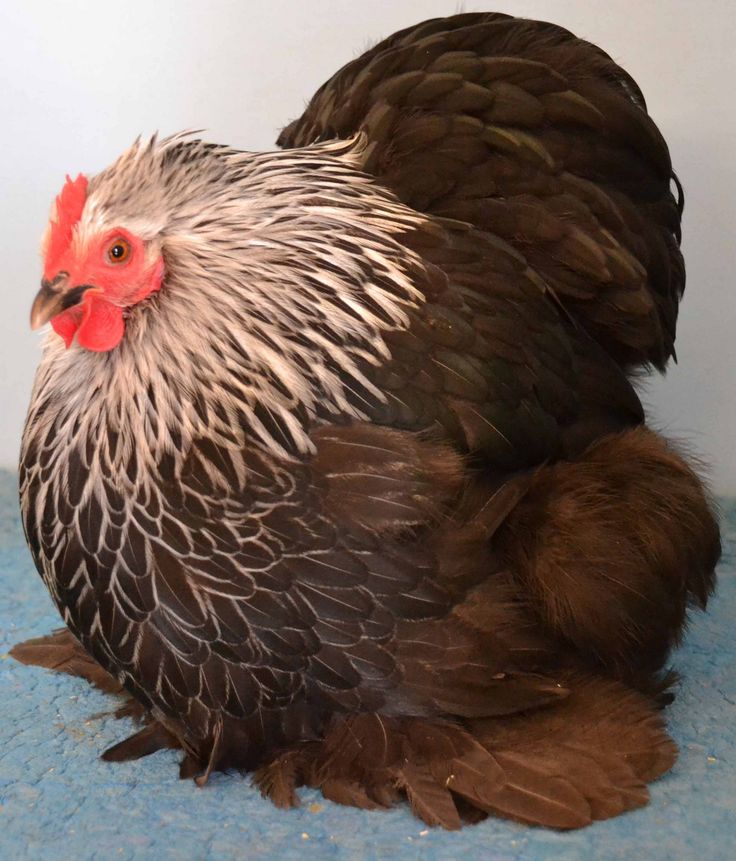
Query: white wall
[(80, 79)]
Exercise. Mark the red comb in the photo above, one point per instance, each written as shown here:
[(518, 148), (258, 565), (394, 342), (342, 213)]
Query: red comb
[(69, 206)]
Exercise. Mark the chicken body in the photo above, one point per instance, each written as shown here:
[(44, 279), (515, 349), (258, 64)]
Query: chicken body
[(356, 491)]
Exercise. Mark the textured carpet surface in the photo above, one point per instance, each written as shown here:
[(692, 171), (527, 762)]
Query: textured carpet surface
[(58, 800)]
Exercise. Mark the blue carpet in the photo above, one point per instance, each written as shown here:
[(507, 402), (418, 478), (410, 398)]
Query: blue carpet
[(58, 800)]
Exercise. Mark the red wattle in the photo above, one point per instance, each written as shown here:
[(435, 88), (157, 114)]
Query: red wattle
[(102, 327), (97, 323), (67, 323)]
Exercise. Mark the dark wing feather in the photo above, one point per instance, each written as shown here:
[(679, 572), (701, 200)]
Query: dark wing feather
[(537, 137), (490, 360), (487, 358)]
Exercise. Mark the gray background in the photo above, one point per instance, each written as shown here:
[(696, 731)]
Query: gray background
[(79, 80)]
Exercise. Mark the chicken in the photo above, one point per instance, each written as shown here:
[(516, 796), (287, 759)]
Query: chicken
[(333, 465)]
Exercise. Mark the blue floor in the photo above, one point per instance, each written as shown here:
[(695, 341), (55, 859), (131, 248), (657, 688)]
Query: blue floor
[(58, 800)]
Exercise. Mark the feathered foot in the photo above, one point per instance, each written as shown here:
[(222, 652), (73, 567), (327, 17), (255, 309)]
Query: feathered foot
[(583, 758), (586, 759), (62, 652)]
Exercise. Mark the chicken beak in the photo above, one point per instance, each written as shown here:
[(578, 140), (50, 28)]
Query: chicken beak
[(53, 298)]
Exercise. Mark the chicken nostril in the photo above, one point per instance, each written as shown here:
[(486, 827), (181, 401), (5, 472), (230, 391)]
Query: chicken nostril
[(47, 284)]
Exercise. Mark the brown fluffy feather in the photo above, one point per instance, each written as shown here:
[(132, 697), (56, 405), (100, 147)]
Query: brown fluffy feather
[(613, 547)]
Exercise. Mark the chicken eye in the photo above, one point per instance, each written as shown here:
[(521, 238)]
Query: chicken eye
[(119, 250)]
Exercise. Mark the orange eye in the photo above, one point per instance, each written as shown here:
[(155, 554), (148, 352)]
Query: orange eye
[(119, 250)]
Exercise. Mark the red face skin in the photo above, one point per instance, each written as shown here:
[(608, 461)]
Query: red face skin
[(117, 282)]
